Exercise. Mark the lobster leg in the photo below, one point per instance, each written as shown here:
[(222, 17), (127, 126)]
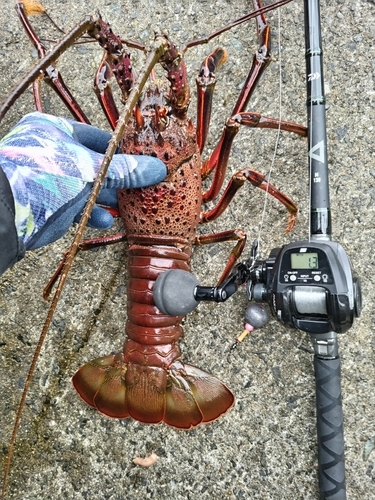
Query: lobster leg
[(83, 245), (260, 62), (256, 120), (103, 92), (232, 235), (206, 81), (46, 61), (225, 145), (51, 75), (20, 9), (258, 180), (218, 160)]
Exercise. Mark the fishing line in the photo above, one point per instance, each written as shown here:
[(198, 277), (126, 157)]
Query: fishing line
[(268, 176)]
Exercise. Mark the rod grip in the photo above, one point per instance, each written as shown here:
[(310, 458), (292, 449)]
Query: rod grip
[(331, 461)]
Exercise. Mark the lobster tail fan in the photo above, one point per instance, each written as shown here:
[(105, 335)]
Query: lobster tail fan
[(182, 396), (194, 397), (100, 383)]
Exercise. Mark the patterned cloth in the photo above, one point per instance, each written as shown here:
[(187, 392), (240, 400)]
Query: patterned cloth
[(51, 175)]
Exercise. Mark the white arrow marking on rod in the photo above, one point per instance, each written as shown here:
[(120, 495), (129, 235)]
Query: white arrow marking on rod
[(320, 156), (313, 76)]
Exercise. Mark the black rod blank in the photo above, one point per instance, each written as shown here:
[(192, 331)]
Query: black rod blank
[(320, 220)]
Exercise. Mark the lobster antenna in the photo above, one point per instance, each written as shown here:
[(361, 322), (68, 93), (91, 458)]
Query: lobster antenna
[(266, 196), (159, 48), (47, 60), (251, 15), (34, 7)]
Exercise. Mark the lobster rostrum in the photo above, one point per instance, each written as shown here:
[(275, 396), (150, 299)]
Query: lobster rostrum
[(148, 381)]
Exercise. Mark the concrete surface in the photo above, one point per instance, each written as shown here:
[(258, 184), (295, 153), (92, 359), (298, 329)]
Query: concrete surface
[(265, 447)]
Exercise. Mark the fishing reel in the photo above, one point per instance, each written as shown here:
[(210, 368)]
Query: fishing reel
[(308, 285)]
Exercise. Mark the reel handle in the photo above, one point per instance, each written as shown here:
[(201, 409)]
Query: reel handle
[(331, 460)]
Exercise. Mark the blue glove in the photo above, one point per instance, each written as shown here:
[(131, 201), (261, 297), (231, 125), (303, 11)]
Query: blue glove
[(51, 164)]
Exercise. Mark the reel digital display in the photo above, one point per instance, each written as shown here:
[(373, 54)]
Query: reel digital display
[(305, 264), (304, 259)]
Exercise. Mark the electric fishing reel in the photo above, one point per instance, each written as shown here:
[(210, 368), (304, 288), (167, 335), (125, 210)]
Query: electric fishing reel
[(308, 285)]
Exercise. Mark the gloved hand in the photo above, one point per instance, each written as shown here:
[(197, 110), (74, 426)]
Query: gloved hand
[(51, 164)]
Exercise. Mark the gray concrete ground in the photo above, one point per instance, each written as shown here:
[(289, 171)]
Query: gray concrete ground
[(265, 447)]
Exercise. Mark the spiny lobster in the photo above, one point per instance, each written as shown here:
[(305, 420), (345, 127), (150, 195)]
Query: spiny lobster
[(148, 381)]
